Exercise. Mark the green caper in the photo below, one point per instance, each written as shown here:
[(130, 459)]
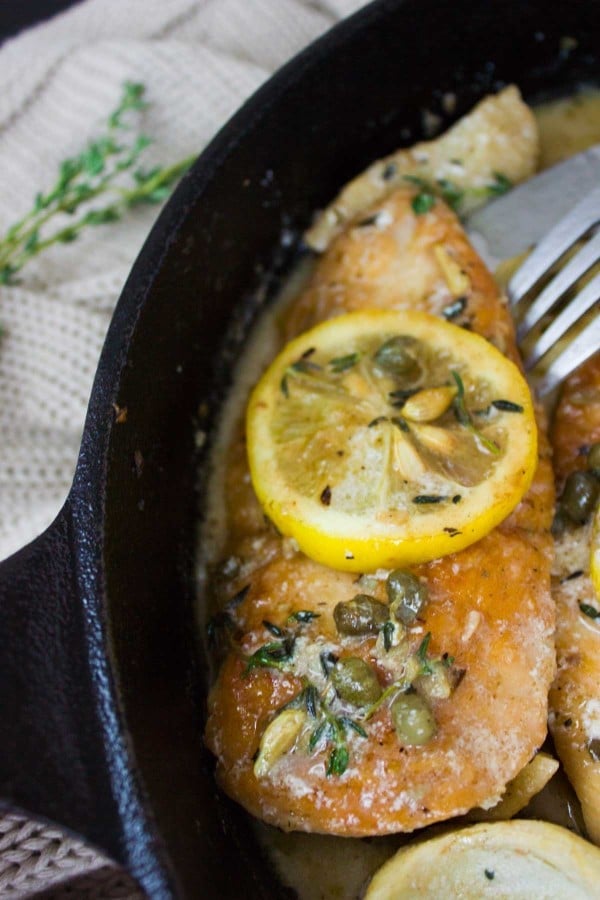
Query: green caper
[(579, 496), (355, 681), (413, 720), (407, 595), (593, 457), (398, 357), (361, 615)]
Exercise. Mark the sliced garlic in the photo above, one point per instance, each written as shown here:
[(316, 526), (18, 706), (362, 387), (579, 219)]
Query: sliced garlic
[(278, 737), (438, 440), (429, 404), (458, 281), (525, 785), (406, 460), (438, 684)]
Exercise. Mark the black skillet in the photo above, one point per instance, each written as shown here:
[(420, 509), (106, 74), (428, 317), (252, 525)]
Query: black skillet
[(101, 684)]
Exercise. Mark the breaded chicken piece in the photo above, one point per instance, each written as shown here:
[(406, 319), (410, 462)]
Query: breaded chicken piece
[(490, 614)]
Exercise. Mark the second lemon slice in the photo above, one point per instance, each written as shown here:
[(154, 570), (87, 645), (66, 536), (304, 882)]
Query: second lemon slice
[(384, 438)]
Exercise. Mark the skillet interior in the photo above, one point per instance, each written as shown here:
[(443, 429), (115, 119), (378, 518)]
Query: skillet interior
[(354, 96)]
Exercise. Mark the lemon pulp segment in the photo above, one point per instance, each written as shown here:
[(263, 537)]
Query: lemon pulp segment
[(384, 438)]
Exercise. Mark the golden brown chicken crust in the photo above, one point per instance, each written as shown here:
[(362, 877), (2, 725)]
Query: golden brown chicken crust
[(392, 264), (487, 730)]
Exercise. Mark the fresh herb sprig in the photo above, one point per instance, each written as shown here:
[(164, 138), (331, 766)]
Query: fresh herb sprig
[(107, 170), (329, 729), (278, 654)]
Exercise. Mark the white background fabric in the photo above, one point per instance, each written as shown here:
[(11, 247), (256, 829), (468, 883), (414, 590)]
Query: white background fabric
[(199, 59)]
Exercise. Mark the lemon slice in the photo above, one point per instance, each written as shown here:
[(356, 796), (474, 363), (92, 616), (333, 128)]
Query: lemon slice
[(517, 860), (595, 553), (383, 438)]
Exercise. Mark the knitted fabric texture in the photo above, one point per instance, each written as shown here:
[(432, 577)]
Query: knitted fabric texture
[(198, 59)]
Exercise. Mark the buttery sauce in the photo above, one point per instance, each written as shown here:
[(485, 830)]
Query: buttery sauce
[(322, 867), (568, 126)]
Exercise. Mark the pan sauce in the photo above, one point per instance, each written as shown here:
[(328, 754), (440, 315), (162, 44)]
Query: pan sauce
[(320, 866)]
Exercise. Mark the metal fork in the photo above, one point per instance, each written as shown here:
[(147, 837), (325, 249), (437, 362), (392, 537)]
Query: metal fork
[(579, 225)]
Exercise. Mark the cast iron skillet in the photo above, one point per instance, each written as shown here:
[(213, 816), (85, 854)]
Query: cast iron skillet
[(101, 681)]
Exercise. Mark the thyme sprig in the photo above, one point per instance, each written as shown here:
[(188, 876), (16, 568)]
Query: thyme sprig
[(330, 729), (273, 655), (107, 170)]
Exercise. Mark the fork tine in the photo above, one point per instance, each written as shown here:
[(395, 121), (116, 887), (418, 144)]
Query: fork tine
[(583, 260), (556, 242), (577, 352), (572, 312)]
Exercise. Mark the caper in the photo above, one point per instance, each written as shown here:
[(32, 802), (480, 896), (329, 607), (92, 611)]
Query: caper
[(413, 720), (593, 457), (579, 496), (355, 681), (361, 615), (407, 595), (398, 357)]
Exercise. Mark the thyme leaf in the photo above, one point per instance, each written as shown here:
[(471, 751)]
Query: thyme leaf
[(311, 699), (328, 661), (454, 310), (507, 406), (273, 655), (303, 616), (500, 185), (451, 193), (317, 735), (422, 655), (388, 634), (354, 726), (462, 414), (338, 760), (590, 611), (274, 629), (423, 202), (304, 366), (343, 363), (218, 626)]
